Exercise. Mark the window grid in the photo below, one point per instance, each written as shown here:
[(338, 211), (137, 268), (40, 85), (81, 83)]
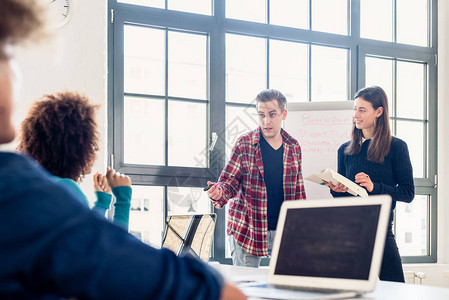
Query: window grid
[(166, 97), (394, 118), (216, 26), (310, 53)]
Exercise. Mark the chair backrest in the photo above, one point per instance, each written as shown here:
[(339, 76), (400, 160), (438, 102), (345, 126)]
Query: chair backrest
[(190, 234)]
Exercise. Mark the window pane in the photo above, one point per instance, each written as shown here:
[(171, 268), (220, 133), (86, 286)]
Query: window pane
[(246, 67), (412, 226), (194, 6), (248, 10), (413, 134), (187, 73), (183, 200), (239, 120), (288, 69), (329, 74), (291, 13), (187, 141), (144, 131), (147, 213), (376, 19), (410, 90), (152, 3), (144, 59), (412, 22), (330, 16), (380, 72)]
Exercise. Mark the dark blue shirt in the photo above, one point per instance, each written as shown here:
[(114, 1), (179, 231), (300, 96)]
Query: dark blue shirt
[(273, 167), (51, 245), (393, 177)]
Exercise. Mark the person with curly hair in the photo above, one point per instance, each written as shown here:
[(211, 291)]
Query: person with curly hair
[(60, 132), (51, 245)]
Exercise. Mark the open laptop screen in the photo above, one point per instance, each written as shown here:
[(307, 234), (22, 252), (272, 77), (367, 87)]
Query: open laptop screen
[(333, 242)]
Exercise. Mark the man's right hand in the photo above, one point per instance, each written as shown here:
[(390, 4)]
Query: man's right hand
[(215, 192)]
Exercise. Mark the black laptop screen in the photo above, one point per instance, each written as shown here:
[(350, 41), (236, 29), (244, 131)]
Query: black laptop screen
[(335, 242)]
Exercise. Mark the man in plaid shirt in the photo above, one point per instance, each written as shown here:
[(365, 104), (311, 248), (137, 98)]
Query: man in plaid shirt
[(263, 171)]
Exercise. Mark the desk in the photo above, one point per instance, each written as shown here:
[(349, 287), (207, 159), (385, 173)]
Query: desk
[(384, 289)]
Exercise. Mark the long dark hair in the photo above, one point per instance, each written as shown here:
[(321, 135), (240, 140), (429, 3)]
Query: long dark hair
[(380, 143)]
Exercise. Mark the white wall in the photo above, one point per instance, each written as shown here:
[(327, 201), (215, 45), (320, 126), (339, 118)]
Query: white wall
[(77, 60)]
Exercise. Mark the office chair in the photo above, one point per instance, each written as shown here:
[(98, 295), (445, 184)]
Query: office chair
[(190, 234)]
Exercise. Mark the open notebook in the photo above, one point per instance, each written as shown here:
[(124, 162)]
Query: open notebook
[(330, 175), (334, 246)]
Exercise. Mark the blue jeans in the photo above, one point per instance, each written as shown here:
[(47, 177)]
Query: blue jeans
[(242, 258)]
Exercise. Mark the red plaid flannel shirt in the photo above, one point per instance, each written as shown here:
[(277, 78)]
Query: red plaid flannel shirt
[(244, 187)]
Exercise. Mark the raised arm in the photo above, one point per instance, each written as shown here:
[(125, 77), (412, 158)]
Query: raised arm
[(103, 194), (121, 188), (230, 179)]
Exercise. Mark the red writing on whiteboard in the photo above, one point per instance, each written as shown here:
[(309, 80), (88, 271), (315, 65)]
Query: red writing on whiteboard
[(308, 119)]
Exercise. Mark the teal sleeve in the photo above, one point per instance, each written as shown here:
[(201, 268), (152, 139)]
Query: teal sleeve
[(74, 187), (122, 205), (103, 202)]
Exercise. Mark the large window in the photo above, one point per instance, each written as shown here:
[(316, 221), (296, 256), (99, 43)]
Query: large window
[(184, 74)]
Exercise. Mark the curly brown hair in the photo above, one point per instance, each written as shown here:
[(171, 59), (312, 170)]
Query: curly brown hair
[(20, 20), (60, 132)]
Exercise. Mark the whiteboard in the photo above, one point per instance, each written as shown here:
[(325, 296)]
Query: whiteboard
[(320, 128)]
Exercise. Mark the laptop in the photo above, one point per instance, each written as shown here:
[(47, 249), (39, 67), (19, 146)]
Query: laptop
[(334, 247)]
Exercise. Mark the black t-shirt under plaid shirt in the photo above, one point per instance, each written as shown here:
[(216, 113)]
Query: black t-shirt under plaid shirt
[(273, 170), (245, 191)]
